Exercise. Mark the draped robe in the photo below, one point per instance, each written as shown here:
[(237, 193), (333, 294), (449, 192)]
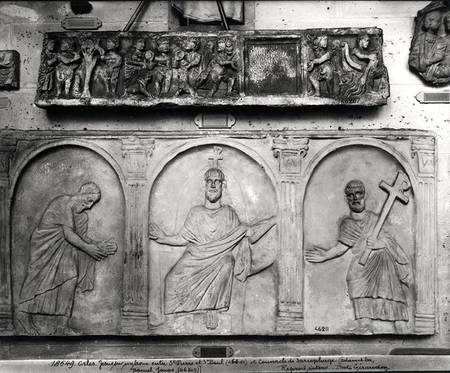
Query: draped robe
[(56, 268), (377, 287), (218, 250)]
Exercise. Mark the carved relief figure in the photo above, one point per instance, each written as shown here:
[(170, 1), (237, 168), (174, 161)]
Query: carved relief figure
[(91, 51), (163, 69), (62, 260), (320, 66), (67, 63), (379, 269), (438, 62), (207, 54), (107, 72), (9, 69), (51, 59), (223, 67), (424, 45), (368, 67), (187, 62), (217, 251), (139, 69), (134, 65)]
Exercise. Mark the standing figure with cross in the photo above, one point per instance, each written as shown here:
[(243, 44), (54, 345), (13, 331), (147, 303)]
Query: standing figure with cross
[(380, 269), (218, 250)]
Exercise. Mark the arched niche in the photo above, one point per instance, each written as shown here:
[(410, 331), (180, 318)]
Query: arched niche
[(177, 187), (327, 307), (58, 169)]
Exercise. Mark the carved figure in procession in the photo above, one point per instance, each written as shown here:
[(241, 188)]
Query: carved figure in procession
[(134, 63), (91, 52), (68, 61), (107, 72), (62, 260), (380, 270), (51, 59), (207, 54), (139, 69), (320, 67), (223, 67), (217, 251), (368, 66), (163, 69), (187, 61)]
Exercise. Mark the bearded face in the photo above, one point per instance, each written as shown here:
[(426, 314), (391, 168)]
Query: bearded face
[(356, 199), (213, 187)]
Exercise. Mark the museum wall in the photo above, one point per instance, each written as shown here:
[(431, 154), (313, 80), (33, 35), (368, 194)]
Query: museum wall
[(22, 27)]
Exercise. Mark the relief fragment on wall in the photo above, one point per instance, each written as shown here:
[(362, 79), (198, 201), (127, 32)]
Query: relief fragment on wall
[(290, 234), (9, 69), (304, 67), (429, 54)]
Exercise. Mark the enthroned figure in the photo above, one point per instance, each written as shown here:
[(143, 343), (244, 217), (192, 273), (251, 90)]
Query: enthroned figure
[(217, 251), (62, 260), (375, 286)]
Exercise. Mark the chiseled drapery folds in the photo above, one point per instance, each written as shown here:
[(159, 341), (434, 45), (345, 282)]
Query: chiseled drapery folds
[(217, 251), (376, 288), (207, 11), (56, 268)]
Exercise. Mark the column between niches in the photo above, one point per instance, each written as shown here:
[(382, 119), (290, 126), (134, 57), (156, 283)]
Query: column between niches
[(136, 153), (7, 149), (423, 149), (290, 152)]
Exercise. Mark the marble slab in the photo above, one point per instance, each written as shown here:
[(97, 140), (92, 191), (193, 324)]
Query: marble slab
[(226, 233), (270, 68)]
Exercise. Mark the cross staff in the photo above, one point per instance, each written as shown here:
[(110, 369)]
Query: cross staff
[(395, 191), (216, 157)]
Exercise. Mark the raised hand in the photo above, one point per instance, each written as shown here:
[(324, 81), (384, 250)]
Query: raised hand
[(315, 254)]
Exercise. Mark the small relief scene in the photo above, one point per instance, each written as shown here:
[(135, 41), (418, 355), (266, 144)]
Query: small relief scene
[(347, 67), (429, 54), (359, 245), (138, 67), (67, 235), (213, 242)]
